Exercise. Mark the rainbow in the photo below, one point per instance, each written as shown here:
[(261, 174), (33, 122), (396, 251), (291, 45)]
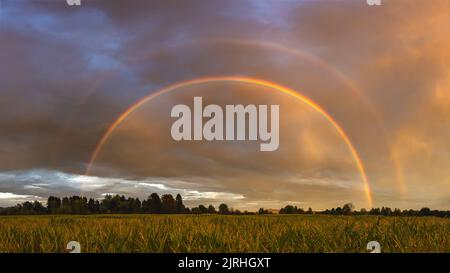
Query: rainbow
[(245, 80)]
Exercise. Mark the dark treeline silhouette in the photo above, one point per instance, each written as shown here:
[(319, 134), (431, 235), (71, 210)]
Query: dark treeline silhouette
[(347, 209), (166, 204)]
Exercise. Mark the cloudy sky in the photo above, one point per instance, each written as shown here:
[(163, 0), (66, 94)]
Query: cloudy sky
[(382, 73)]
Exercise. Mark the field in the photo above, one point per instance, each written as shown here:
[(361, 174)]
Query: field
[(218, 233)]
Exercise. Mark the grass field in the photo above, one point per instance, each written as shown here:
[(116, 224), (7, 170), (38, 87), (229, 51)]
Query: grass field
[(217, 233)]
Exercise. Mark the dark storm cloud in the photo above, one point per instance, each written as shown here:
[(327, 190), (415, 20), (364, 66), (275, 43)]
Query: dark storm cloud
[(50, 67), (67, 73), (58, 62)]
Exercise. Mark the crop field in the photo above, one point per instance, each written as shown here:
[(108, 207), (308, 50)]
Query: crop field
[(223, 233)]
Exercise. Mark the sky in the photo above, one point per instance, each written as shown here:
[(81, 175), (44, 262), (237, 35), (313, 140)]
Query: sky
[(381, 72)]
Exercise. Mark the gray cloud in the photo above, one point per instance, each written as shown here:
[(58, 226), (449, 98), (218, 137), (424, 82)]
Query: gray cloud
[(40, 183)]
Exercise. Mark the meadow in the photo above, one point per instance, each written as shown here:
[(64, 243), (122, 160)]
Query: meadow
[(223, 233)]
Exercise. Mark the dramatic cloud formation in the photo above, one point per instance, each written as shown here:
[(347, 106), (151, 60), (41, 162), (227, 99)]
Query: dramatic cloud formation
[(67, 73), (48, 182)]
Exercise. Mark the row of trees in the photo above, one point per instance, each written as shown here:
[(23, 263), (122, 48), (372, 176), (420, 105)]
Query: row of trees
[(348, 209), (170, 205), (289, 209), (386, 211), (114, 204)]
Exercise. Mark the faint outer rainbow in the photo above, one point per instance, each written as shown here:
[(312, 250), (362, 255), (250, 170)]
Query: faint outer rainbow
[(246, 80)]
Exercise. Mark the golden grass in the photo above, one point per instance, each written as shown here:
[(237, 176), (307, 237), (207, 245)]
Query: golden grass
[(218, 233)]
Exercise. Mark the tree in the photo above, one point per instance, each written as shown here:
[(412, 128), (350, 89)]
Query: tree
[(92, 206), (65, 207), (179, 204), (27, 206), (375, 211), (202, 209), (114, 205), (53, 204), (289, 209), (78, 205), (425, 212), (105, 205), (152, 204), (263, 211), (155, 203), (168, 203), (137, 205), (38, 207), (386, 211), (347, 209), (195, 210), (223, 209), (211, 209)]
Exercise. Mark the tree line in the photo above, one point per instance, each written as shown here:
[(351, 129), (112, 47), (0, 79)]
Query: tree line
[(167, 204), (348, 209)]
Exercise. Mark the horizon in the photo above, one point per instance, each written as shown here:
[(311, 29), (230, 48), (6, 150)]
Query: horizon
[(232, 209)]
